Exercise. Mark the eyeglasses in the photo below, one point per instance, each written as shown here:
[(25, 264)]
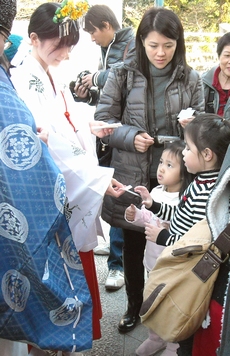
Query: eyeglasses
[(7, 44), (4, 35)]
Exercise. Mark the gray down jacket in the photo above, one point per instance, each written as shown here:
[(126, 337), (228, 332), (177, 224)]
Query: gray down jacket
[(132, 167)]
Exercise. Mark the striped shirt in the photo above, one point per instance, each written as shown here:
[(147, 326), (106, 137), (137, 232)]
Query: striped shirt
[(191, 209)]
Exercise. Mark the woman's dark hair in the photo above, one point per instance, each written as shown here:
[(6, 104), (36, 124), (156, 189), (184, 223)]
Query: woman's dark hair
[(223, 41), (97, 16), (210, 131), (166, 23), (176, 148), (41, 22)]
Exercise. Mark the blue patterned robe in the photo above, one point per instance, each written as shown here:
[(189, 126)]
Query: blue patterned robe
[(44, 297)]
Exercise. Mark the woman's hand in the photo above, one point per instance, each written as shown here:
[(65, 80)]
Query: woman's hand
[(100, 133), (143, 141), (130, 213), (147, 200), (114, 188), (185, 122), (43, 135), (152, 231)]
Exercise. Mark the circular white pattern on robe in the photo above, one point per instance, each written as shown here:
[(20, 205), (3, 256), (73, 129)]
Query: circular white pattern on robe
[(70, 255), (67, 313), (20, 147), (13, 223), (60, 192), (15, 290)]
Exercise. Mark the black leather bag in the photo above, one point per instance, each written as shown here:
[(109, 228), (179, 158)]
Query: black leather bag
[(104, 153)]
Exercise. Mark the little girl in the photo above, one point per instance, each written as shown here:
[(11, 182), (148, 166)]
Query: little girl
[(207, 138), (173, 178)]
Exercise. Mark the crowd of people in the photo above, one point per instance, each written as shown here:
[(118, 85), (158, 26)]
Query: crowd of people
[(53, 189)]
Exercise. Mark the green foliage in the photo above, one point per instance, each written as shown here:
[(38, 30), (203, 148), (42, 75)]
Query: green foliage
[(196, 15), (133, 10)]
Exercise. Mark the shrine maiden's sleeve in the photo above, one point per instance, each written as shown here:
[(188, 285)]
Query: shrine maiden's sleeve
[(71, 146)]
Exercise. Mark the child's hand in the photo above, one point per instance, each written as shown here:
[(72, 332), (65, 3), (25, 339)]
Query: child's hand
[(152, 231), (130, 213), (145, 195), (43, 135), (185, 122)]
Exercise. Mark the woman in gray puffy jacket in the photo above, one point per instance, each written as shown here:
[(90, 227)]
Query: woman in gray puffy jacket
[(146, 93)]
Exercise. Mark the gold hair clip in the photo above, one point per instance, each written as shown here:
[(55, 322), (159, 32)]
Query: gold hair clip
[(69, 12)]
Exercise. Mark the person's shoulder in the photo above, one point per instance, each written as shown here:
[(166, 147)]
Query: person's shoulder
[(118, 68), (183, 72), (156, 192), (194, 74), (209, 72), (125, 34), (159, 187)]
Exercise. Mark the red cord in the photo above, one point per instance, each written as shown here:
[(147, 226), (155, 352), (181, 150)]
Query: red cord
[(66, 113)]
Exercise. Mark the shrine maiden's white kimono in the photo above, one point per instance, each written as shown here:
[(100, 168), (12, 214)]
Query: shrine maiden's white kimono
[(71, 146)]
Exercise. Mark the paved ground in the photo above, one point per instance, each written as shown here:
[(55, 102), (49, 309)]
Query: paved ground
[(112, 342)]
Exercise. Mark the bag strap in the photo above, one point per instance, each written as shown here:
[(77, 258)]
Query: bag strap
[(223, 241), (210, 261), (209, 105)]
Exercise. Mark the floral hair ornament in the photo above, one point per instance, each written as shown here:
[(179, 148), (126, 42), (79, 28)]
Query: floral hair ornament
[(69, 14)]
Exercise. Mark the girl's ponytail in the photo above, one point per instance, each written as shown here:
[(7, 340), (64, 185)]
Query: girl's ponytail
[(210, 131)]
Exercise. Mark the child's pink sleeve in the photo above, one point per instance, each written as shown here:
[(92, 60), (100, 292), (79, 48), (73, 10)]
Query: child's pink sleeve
[(143, 216)]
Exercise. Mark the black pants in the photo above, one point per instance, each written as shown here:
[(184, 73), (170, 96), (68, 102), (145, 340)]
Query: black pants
[(133, 253)]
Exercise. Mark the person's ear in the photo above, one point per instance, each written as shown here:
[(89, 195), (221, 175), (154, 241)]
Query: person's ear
[(106, 25), (34, 39), (207, 154)]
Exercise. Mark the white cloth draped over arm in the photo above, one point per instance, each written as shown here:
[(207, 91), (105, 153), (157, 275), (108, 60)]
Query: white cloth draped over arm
[(73, 152)]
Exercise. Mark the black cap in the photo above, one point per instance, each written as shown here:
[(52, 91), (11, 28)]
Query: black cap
[(8, 10)]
